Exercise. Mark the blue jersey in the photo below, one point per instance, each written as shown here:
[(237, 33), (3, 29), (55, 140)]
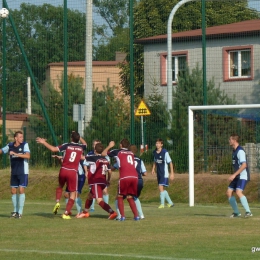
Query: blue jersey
[(18, 165), (162, 159), (238, 158), (139, 166)]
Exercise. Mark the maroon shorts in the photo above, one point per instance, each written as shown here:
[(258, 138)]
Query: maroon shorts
[(97, 190), (69, 177), (127, 186)]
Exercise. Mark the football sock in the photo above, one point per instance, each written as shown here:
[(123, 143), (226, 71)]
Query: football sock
[(78, 204), (117, 210), (93, 204), (162, 197), (167, 197), (15, 202), (233, 203), (106, 198), (21, 203), (105, 206), (88, 203), (133, 206), (69, 206), (139, 207), (244, 203), (121, 209), (58, 194)]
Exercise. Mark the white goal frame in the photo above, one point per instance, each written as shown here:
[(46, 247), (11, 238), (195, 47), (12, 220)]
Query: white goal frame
[(191, 139)]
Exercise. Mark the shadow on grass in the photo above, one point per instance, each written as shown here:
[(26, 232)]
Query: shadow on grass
[(211, 215)]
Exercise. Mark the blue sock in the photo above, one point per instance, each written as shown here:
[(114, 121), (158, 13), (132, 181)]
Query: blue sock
[(78, 205), (106, 198), (21, 203), (93, 205), (233, 203), (162, 197), (167, 197), (15, 202), (117, 209), (244, 203), (139, 207)]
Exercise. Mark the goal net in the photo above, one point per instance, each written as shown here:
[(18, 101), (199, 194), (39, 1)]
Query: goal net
[(209, 130)]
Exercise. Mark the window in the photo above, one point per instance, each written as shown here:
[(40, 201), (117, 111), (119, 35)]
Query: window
[(178, 66), (238, 63), (179, 60)]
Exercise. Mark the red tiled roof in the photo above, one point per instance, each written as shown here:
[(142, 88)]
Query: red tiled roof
[(82, 63), (240, 28), (15, 117)]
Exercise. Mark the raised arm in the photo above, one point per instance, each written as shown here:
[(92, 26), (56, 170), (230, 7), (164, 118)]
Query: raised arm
[(110, 145), (43, 141)]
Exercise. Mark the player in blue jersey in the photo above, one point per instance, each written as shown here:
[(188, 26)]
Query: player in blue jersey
[(161, 161), (239, 178), (19, 153), (105, 191)]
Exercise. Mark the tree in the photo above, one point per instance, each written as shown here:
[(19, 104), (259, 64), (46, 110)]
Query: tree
[(41, 32), (110, 117)]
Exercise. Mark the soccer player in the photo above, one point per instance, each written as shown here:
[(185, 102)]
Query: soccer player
[(68, 171), (141, 171), (19, 154), (98, 168), (128, 178), (161, 161), (105, 191), (239, 178), (81, 181)]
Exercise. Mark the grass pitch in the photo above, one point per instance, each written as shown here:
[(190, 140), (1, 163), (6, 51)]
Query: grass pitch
[(181, 232)]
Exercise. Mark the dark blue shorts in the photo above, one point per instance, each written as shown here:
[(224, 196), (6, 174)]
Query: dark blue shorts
[(237, 184), (162, 180), (20, 180), (81, 182)]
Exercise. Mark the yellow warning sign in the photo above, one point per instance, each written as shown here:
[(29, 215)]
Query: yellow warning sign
[(142, 110)]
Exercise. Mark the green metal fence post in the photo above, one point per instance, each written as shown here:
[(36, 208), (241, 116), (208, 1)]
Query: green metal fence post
[(65, 94), (4, 88), (131, 23), (205, 99)]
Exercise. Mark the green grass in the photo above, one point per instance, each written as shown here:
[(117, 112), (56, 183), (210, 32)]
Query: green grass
[(200, 232)]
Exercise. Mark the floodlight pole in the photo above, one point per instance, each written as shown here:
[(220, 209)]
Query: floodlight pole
[(169, 52), (88, 65)]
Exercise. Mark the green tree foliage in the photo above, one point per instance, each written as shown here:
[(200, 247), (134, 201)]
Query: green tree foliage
[(110, 119), (40, 29), (54, 103), (151, 18), (113, 34)]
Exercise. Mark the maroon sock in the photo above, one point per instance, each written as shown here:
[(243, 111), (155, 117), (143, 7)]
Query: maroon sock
[(120, 203), (88, 203), (105, 206), (133, 206), (58, 193), (69, 205)]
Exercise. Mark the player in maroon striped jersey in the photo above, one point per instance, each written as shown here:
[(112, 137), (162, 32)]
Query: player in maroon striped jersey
[(128, 178), (98, 167), (68, 171)]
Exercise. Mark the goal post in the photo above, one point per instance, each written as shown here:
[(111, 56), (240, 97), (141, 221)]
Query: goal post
[(191, 109)]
